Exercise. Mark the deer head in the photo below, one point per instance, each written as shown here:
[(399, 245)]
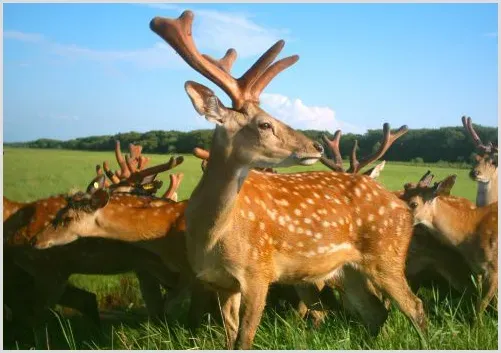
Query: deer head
[(486, 160), (245, 134), (421, 197), (356, 166)]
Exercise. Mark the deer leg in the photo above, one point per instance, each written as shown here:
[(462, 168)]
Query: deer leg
[(392, 282), (202, 301), (311, 301), (363, 301), (83, 301), (229, 303), (489, 290), (151, 293), (253, 301)]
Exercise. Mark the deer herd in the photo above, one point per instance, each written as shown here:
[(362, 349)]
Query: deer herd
[(248, 231)]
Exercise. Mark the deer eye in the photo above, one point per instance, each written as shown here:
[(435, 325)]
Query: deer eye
[(413, 205), (264, 126)]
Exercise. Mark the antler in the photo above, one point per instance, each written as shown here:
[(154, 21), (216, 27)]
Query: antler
[(489, 148), (424, 182), (355, 164), (178, 33), (175, 181)]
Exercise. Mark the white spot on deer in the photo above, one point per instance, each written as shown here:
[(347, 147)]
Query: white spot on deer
[(362, 185), (334, 224), (300, 244), (261, 225), (308, 232), (261, 241), (373, 227), (368, 197), (359, 222), (341, 221), (342, 186), (307, 220), (327, 197), (381, 210), (375, 193), (393, 205), (272, 214), (46, 224), (251, 215), (297, 212), (44, 204), (291, 228), (351, 227), (385, 222), (247, 200), (303, 205), (295, 193), (317, 196), (317, 217), (380, 230), (370, 217), (357, 192), (318, 235), (322, 211), (310, 201), (281, 220), (337, 201), (338, 247), (333, 210), (129, 205), (254, 254), (325, 224)]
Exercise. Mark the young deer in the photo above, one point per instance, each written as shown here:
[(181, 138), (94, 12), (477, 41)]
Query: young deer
[(455, 221), (52, 268), (247, 229), (485, 170)]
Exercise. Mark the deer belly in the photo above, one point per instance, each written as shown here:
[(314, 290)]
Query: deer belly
[(316, 267)]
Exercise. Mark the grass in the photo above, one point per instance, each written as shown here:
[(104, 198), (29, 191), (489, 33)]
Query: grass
[(30, 174)]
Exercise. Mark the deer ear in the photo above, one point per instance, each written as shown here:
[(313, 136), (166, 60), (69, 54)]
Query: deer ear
[(444, 187), (206, 103), (99, 199), (374, 172)]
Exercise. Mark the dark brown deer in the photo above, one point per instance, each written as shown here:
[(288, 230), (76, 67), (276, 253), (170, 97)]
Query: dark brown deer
[(485, 169), (247, 229)]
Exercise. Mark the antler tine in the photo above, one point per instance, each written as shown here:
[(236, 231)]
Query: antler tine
[(135, 150), (173, 162), (388, 140), (124, 171), (113, 177), (143, 162), (476, 140), (354, 163), (177, 32), (130, 164), (270, 73), (99, 172), (175, 181), (201, 153), (333, 145)]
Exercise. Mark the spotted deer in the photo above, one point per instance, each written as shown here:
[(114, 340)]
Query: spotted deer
[(51, 268), (246, 229), (485, 169), (472, 231)]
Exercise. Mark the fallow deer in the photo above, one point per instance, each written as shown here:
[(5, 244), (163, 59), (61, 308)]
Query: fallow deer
[(485, 169), (52, 268), (472, 231), (246, 229)]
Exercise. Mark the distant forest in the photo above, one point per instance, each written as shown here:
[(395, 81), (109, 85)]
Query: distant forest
[(448, 144)]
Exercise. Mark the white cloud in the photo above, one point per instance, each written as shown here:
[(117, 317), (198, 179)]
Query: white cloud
[(214, 32), (301, 116)]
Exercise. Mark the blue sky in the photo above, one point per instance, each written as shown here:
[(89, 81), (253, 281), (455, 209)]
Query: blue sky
[(74, 70)]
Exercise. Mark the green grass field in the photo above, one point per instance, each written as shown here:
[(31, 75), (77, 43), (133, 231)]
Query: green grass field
[(30, 174)]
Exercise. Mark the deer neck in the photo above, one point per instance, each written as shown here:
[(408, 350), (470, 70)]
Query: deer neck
[(487, 193), (209, 211), (454, 222)]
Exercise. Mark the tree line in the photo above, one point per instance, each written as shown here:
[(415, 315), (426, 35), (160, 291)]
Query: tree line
[(450, 144)]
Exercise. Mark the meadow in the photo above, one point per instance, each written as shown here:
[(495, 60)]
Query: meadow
[(29, 174)]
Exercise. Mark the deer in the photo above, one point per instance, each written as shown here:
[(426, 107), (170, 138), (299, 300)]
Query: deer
[(246, 229), (457, 223), (485, 168), (52, 268)]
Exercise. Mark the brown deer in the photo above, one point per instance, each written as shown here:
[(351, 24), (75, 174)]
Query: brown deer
[(456, 222), (247, 229), (485, 169), (52, 268)]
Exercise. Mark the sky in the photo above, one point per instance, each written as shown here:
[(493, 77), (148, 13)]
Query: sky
[(75, 70)]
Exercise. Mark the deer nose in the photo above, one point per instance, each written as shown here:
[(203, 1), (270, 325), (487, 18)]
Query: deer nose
[(318, 147), (474, 173)]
